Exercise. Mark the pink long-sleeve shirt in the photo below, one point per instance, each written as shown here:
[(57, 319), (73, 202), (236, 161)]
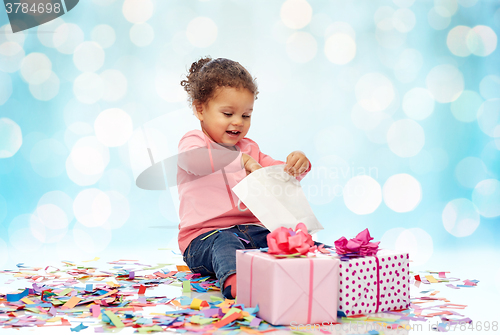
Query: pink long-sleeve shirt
[(206, 174)]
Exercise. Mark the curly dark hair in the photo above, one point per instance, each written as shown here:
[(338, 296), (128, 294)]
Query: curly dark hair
[(207, 74)]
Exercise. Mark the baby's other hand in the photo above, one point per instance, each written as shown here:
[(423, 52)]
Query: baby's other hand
[(250, 164), (296, 163)]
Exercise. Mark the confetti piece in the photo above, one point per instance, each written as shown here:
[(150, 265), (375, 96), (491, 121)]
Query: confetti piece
[(142, 289), (114, 319), (182, 268), (186, 286), (442, 275), (226, 321), (71, 303), (96, 311), (431, 279), (131, 275), (27, 301), (92, 260), (79, 327), (17, 296)]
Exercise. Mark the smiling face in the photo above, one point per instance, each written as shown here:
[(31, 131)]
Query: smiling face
[(226, 117)]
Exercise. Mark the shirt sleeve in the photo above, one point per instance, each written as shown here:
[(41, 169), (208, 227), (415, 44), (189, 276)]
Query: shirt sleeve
[(200, 159), (266, 160)]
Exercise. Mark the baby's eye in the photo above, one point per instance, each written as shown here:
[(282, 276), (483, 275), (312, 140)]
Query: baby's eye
[(247, 116), (227, 114)]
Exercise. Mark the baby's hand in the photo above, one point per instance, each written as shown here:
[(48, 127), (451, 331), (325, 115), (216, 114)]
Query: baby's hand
[(250, 164), (296, 163)]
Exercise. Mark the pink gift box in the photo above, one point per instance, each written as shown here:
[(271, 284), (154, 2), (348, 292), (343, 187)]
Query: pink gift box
[(288, 290), (374, 284)]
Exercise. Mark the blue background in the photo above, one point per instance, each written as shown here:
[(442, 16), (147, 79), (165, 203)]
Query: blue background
[(317, 95)]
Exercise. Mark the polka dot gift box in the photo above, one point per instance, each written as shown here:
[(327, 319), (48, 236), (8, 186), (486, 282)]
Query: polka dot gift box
[(371, 280), (374, 284)]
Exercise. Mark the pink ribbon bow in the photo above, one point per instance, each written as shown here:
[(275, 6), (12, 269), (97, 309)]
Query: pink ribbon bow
[(286, 241), (360, 245)]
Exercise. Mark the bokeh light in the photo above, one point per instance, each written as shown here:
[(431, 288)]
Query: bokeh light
[(301, 47), (340, 48), (59, 199), (362, 195), (49, 223), (437, 21), (113, 127), (460, 217), (11, 137), (445, 82), (470, 171), (446, 8), (89, 156), (104, 35), (67, 37), (48, 88), (416, 241), (374, 92), (404, 20), (115, 85), (296, 14), (405, 138), (486, 197), (490, 87), (488, 116), (11, 56), (482, 41), (137, 11), (88, 87), (202, 32), (402, 193), (457, 41), (45, 32), (92, 207), (418, 103), (403, 3), (36, 68), (88, 57), (142, 34), (466, 107)]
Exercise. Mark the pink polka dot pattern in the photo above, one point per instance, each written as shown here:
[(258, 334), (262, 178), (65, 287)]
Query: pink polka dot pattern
[(358, 283)]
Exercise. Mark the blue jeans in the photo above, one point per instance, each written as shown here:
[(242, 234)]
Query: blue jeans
[(216, 254)]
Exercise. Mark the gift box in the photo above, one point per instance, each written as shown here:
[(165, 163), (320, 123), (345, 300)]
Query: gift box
[(295, 290), (373, 284)]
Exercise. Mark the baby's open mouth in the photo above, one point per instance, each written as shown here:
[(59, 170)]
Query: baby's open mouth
[(233, 132)]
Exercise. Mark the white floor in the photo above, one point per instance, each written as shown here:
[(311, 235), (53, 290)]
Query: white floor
[(481, 300)]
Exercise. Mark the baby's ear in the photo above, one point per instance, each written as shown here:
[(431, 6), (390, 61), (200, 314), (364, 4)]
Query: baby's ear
[(198, 110)]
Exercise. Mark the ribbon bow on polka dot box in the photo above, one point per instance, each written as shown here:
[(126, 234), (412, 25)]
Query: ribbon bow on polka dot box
[(373, 284)]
